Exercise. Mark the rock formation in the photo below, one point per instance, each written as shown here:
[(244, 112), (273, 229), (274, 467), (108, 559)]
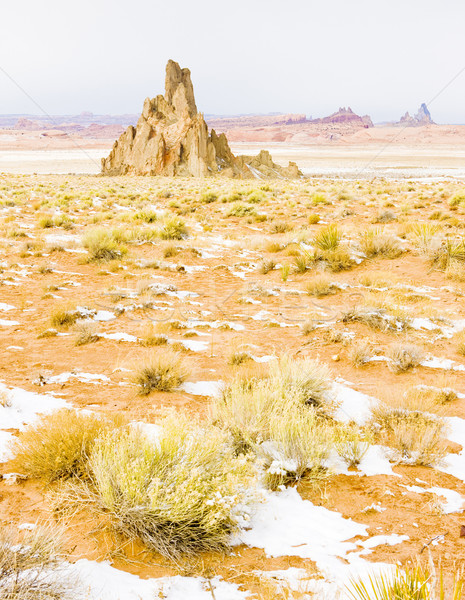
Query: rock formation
[(171, 138), (423, 117), (345, 115)]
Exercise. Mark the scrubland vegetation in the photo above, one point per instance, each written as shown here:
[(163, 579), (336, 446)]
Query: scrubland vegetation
[(218, 343)]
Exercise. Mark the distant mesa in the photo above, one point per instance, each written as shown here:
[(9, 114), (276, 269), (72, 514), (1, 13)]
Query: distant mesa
[(345, 115), (171, 138), (423, 117)]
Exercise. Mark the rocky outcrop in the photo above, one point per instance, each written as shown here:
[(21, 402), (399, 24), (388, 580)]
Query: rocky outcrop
[(171, 138), (345, 115), (423, 117)]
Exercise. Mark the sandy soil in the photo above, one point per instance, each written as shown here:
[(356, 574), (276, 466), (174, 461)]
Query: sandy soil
[(38, 277)]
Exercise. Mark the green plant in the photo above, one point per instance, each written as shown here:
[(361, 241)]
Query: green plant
[(327, 237)]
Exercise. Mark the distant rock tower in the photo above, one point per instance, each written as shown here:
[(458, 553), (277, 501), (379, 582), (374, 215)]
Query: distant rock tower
[(171, 138), (423, 117)]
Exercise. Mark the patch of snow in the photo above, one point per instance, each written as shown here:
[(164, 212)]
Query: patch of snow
[(5, 307), (101, 581), (119, 337), (353, 405), (24, 407), (203, 388), (104, 315), (8, 323)]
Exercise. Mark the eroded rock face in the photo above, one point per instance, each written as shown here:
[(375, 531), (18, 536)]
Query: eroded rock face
[(423, 117), (171, 138)]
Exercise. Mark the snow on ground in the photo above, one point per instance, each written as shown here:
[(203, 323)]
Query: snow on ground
[(353, 405), (119, 337), (435, 362), (18, 409), (6, 307), (101, 581), (23, 407), (286, 525), (82, 377), (8, 323), (203, 388), (454, 464)]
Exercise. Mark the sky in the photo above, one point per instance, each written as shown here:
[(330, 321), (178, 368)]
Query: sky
[(381, 57)]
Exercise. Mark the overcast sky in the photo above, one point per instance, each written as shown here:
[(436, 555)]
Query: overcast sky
[(381, 57)]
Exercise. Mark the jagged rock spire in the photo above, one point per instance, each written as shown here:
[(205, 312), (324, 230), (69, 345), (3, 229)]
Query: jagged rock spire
[(172, 138)]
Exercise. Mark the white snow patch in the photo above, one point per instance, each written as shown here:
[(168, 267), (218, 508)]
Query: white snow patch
[(203, 388)]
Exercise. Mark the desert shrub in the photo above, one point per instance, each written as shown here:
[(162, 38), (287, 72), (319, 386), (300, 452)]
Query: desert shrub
[(403, 357), (170, 250), (298, 446), (376, 318), (449, 251), (30, 565), (280, 227), (327, 237), (457, 199), (414, 437), (173, 228), (313, 219), (248, 403), (321, 285), (161, 372), (86, 333), (375, 280), (239, 357), (45, 222), (267, 266), (238, 209), (376, 243), (426, 398), (423, 234), (64, 316), (455, 270), (335, 260), (410, 583), (460, 339), (58, 446), (147, 215), (181, 495), (360, 353), (351, 444), (103, 245), (386, 216), (208, 197), (302, 261), (150, 337)]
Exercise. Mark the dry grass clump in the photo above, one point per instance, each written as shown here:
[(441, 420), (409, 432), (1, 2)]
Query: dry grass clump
[(455, 270), (103, 245), (449, 251), (181, 495), (386, 216), (327, 238), (351, 443), (298, 446), (426, 398), (173, 228), (30, 566), (86, 333), (151, 337), (413, 436), (409, 583), (376, 280), (281, 417), (239, 357), (58, 446), (376, 318), (360, 353), (64, 316), (321, 285), (460, 339), (403, 357), (161, 372), (376, 243)]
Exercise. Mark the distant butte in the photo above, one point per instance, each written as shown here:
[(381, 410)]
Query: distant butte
[(171, 138)]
